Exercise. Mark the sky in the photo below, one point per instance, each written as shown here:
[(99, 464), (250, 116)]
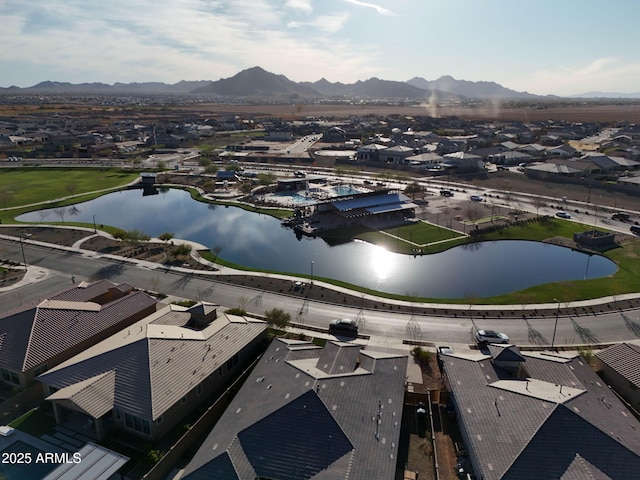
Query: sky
[(558, 47)]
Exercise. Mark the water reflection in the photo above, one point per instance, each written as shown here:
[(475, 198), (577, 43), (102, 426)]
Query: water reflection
[(260, 242)]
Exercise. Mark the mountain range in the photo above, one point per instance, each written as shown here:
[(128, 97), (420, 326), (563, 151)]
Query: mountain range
[(257, 83)]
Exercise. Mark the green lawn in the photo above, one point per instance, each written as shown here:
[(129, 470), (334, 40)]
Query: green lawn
[(409, 237), (23, 186)]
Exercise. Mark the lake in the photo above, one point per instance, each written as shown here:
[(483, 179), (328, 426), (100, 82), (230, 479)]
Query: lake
[(259, 241)]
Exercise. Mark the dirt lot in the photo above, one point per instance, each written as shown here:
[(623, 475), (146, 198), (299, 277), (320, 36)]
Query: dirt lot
[(570, 111)]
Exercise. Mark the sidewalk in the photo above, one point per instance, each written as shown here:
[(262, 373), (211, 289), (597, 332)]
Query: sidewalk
[(449, 309)]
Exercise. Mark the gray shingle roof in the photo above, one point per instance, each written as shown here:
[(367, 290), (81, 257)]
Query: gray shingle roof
[(156, 363), (565, 411), (623, 358), (33, 336), (356, 406)]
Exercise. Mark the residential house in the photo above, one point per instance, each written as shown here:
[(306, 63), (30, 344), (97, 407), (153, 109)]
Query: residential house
[(534, 415), (463, 162), (396, 155), (370, 152), (310, 412), (564, 150), (147, 377), (38, 338), (619, 366)]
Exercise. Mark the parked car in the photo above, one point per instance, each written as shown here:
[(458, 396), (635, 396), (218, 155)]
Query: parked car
[(343, 325), (443, 350), (563, 214), (635, 229), (446, 193), (475, 198), (491, 336)]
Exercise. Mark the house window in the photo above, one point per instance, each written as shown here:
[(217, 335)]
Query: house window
[(137, 424), (199, 389), (10, 377)]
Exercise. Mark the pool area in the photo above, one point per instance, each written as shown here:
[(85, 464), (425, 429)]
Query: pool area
[(313, 195), (17, 451)]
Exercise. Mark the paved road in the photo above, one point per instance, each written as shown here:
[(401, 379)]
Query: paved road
[(58, 267)]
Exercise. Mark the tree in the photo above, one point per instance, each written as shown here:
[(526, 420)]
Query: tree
[(166, 236), (413, 188), (538, 203), (135, 236), (211, 169), (277, 318), (61, 212), (71, 187), (266, 178), (182, 250)]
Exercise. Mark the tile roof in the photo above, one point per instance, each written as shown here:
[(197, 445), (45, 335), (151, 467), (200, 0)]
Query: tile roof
[(94, 396), (623, 358), (156, 362), (333, 413), (33, 336), (559, 411)]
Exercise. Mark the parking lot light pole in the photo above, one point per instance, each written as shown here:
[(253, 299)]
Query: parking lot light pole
[(555, 327)]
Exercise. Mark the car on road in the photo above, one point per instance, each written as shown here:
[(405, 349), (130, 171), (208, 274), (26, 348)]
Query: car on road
[(446, 193), (443, 350), (563, 214), (622, 216), (635, 229), (344, 326), (475, 198), (491, 336)]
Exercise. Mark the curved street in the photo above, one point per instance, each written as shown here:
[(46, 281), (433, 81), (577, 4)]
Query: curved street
[(51, 269)]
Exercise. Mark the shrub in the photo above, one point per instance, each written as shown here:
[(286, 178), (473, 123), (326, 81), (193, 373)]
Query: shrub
[(421, 354)]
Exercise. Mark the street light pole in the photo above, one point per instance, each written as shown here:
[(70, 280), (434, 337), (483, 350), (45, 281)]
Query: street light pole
[(312, 262), (24, 260), (555, 327), (95, 230)]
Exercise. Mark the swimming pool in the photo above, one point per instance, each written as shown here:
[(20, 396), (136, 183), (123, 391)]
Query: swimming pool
[(342, 190), (11, 470)]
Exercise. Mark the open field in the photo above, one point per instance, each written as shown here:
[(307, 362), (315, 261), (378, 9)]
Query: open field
[(24, 186), (570, 110)]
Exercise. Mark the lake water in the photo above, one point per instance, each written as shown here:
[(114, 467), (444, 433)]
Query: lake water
[(259, 241)]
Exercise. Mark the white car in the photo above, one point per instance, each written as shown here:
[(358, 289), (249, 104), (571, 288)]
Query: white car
[(563, 214), (491, 336)]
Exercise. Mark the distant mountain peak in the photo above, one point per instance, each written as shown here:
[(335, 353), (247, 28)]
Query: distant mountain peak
[(259, 83)]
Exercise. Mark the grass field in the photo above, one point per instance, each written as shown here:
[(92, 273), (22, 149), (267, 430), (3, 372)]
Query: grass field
[(24, 186)]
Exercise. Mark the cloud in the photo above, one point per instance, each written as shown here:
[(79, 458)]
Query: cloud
[(301, 5), (602, 74), (377, 8)]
